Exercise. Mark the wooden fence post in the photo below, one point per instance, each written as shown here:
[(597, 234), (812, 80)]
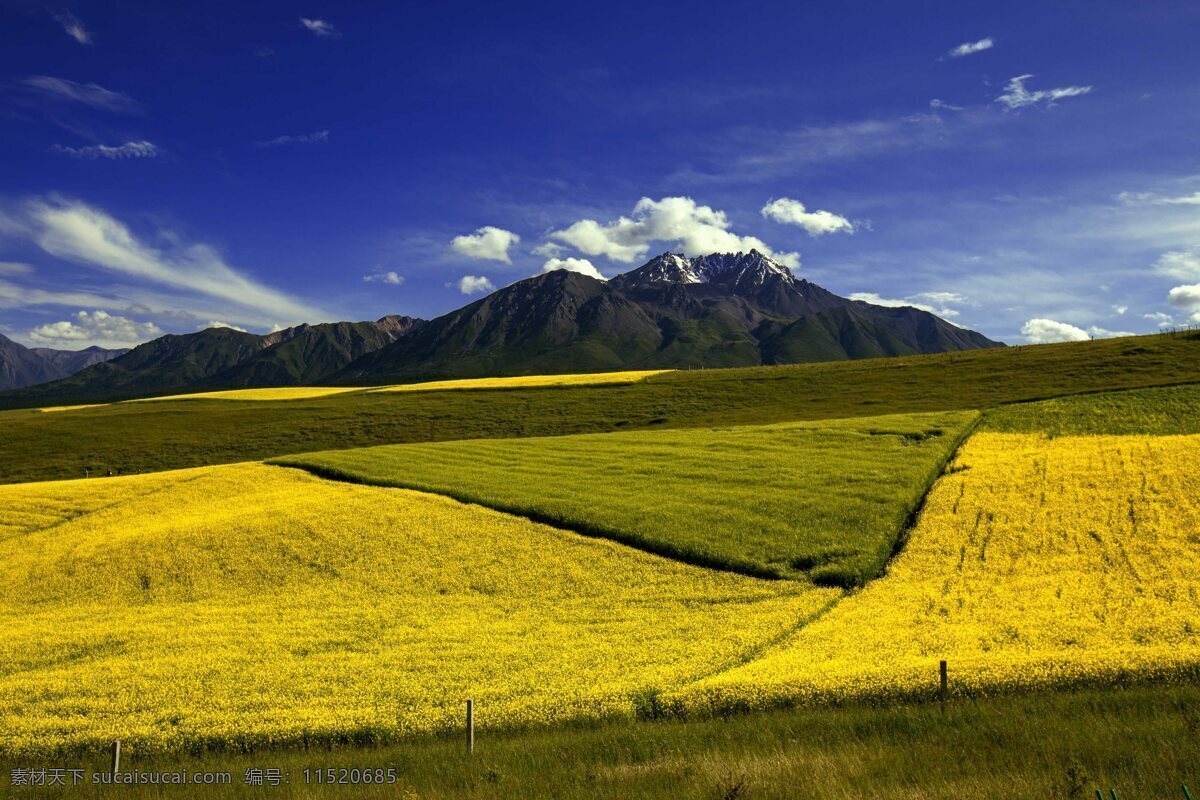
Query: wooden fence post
[(944, 689), (116, 756), (470, 726)]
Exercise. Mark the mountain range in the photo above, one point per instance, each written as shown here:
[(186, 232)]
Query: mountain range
[(24, 366), (719, 310)]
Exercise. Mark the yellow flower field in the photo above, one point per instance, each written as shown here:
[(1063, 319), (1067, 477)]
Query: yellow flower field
[(1038, 562), (277, 393), (528, 381), (54, 409), (247, 604)]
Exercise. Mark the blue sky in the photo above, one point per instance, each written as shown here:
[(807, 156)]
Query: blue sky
[(168, 166)]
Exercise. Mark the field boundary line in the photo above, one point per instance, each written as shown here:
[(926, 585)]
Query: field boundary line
[(759, 650), (691, 558)]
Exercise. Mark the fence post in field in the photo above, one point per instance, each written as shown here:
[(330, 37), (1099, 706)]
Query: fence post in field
[(470, 726), (944, 689), (116, 756)]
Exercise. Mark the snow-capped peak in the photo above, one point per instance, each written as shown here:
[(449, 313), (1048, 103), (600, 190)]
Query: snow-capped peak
[(753, 266), (747, 271), (670, 268)]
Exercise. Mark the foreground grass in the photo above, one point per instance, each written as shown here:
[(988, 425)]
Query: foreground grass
[(144, 437), (828, 499), (1142, 741), (247, 605)]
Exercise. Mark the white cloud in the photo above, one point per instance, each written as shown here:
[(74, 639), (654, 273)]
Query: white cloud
[(321, 28), (94, 328), (216, 323), (14, 268), (1160, 319), (75, 231), (1187, 296), (1181, 264), (580, 265), (317, 137), (968, 48), (1120, 310), (486, 244), (141, 149), (689, 228), (1017, 96), (474, 284), (1044, 331), (390, 278), (914, 301), (792, 212), (73, 27), (89, 94)]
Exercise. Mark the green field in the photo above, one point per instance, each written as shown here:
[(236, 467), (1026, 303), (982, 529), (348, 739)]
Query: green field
[(825, 499), (144, 437), (1158, 412)]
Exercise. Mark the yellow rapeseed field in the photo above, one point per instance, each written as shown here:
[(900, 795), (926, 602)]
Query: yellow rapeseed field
[(1036, 562), (245, 605), (53, 409), (528, 381), (278, 393)]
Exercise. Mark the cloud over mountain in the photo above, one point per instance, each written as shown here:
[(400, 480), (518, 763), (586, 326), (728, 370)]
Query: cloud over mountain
[(679, 222)]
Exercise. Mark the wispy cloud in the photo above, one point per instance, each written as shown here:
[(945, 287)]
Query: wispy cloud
[(1183, 265), (933, 302), (753, 154), (942, 105), (792, 212), (969, 48), (1017, 96), (128, 150), (97, 328), (92, 95), (317, 137), (1151, 198), (321, 28), (390, 278), (73, 27), (486, 244), (77, 232)]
